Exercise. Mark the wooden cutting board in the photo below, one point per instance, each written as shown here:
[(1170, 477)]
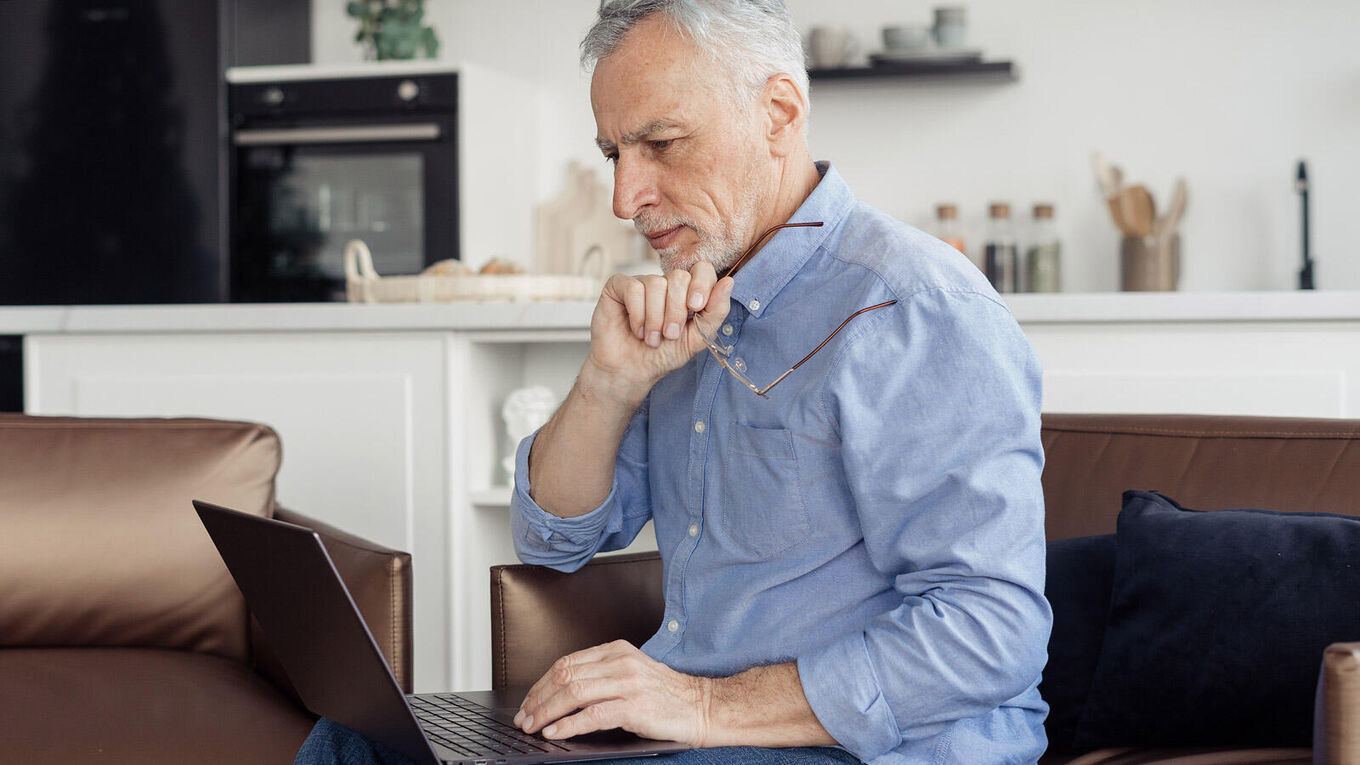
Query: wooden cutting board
[(577, 233)]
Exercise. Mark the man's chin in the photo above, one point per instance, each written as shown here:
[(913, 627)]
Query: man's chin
[(674, 260), (680, 258)]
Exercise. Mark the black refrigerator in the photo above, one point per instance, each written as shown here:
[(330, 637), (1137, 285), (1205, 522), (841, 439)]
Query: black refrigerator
[(112, 146), (111, 182)]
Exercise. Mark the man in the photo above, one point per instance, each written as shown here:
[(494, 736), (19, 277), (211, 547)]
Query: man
[(853, 549), (855, 559)]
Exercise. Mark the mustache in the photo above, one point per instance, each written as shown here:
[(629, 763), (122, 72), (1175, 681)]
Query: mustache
[(646, 221)]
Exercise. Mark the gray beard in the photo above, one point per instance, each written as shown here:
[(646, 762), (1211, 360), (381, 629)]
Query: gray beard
[(720, 249)]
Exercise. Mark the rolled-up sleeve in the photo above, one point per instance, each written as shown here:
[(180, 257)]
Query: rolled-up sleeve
[(566, 544), (949, 497)]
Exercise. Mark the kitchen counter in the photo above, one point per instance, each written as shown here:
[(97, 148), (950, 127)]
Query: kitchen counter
[(302, 317), (1076, 308)]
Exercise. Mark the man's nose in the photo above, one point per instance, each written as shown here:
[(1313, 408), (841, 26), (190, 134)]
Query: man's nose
[(634, 188)]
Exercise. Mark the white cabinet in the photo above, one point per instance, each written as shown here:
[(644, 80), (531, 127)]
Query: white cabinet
[(1286, 369)]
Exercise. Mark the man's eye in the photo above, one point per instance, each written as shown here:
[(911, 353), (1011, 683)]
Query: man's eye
[(661, 145), (611, 158)]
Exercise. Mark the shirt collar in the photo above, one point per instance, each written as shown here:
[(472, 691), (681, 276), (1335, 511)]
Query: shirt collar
[(765, 274)]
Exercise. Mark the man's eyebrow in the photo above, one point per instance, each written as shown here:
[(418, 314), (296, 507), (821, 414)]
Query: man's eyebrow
[(632, 137)]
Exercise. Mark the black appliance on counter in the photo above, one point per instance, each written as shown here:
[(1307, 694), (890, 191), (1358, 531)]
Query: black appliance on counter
[(318, 162)]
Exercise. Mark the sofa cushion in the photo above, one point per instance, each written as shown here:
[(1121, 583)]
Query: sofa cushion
[(1217, 625), (99, 544), (134, 705), (1080, 577)]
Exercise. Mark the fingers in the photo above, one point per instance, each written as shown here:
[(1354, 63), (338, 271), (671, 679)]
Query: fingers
[(677, 294), (655, 310), (633, 295), (658, 306), (715, 311), (605, 715), (590, 663), (702, 277), (575, 695)]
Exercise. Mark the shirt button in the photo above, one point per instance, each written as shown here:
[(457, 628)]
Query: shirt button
[(694, 530), (727, 330), (673, 626), (754, 305), (699, 426)]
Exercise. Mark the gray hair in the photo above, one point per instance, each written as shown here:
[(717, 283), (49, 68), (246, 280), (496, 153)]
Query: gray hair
[(754, 39)]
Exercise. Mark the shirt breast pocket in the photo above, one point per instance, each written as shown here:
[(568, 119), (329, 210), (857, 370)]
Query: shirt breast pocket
[(763, 509)]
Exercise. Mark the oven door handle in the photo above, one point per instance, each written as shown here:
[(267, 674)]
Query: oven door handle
[(425, 131)]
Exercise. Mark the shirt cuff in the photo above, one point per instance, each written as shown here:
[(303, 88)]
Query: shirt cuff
[(842, 688), (544, 532)]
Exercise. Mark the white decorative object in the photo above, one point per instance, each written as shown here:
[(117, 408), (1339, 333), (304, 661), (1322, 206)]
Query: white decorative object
[(525, 410)]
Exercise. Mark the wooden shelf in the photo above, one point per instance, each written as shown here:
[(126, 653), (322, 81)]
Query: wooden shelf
[(1002, 71)]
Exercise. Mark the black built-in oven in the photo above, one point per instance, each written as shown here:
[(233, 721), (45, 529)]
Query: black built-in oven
[(316, 163)]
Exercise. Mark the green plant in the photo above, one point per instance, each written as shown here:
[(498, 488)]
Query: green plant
[(393, 29)]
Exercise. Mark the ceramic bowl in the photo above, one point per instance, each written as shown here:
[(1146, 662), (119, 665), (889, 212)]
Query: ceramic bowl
[(906, 37)]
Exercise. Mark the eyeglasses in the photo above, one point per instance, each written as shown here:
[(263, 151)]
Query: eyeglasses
[(723, 353)]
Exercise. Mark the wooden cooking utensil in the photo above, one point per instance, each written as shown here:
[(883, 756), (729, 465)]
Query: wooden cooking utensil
[(1138, 210), (1167, 223), (1108, 176), (1117, 213)]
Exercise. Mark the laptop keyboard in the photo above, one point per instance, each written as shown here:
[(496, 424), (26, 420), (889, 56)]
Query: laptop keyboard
[(471, 730)]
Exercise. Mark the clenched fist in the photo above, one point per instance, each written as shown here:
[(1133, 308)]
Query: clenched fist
[(645, 327)]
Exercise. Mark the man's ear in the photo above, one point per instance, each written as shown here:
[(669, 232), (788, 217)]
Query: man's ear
[(786, 111)]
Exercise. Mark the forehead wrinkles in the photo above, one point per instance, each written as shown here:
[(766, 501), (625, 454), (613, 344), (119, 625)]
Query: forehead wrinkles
[(656, 68)]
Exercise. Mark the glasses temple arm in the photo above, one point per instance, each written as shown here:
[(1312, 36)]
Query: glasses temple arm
[(732, 271), (838, 329)]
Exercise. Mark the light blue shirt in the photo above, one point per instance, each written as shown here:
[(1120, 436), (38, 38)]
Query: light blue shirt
[(878, 519)]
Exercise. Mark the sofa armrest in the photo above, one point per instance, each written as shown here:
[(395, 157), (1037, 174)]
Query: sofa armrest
[(378, 579), (539, 615), (1336, 735)]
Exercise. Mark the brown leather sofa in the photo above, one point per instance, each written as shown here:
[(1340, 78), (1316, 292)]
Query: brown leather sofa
[(1204, 462), (123, 638)]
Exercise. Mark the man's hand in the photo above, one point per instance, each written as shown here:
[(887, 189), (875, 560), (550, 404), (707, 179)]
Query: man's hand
[(642, 328), (641, 331), (617, 686)]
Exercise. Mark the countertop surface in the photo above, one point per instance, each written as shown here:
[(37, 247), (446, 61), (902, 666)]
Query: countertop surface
[(1077, 308)]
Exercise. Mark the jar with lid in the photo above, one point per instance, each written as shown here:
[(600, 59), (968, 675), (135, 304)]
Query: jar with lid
[(1000, 257), (1045, 253), (947, 226)]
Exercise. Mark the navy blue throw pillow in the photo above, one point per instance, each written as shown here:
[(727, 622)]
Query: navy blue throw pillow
[(1217, 625), (1080, 577)]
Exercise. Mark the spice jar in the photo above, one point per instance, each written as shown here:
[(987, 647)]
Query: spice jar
[(1044, 256), (1000, 260)]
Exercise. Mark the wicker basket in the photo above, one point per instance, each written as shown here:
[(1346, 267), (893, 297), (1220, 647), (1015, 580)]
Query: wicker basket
[(364, 285)]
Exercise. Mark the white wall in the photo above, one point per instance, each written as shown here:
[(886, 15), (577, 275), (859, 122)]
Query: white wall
[(1229, 93)]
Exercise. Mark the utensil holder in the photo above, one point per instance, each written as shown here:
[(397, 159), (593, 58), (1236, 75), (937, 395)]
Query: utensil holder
[(1150, 263)]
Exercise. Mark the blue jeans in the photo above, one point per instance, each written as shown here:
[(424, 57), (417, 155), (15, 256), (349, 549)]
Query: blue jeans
[(333, 744)]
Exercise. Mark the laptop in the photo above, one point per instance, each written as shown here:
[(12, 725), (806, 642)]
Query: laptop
[(295, 592)]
